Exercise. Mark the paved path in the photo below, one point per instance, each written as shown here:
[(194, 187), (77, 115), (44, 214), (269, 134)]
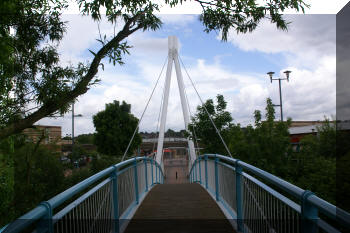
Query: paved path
[(179, 208)]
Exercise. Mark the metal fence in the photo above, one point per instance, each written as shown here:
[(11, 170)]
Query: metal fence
[(98, 204), (241, 190)]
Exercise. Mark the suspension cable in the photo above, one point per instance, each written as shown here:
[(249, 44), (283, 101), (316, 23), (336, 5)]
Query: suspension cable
[(193, 127), (138, 124), (158, 122), (217, 131)]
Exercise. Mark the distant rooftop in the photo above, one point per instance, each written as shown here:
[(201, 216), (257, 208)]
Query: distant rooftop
[(303, 129), (165, 139)]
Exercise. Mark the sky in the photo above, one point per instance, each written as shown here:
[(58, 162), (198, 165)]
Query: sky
[(236, 68)]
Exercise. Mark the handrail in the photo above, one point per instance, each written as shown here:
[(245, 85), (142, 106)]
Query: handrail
[(41, 210), (323, 206)]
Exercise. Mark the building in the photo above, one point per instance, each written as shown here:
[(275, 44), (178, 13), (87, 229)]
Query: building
[(300, 129), (47, 134), (173, 147)]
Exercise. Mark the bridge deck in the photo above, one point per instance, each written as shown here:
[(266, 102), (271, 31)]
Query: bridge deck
[(179, 208)]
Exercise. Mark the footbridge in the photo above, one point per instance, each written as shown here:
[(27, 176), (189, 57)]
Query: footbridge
[(221, 194), (200, 193)]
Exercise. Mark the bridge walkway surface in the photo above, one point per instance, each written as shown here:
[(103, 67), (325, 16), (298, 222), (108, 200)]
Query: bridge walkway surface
[(186, 208)]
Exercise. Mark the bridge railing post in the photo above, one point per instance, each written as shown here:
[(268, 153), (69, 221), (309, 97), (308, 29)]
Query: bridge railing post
[(46, 224), (136, 182), (152, 161), (114, 177), (156, 174), (146, 178), (309, 214), (200, 171), (195, 171), (216, 179), (206, 170), (239, 197)]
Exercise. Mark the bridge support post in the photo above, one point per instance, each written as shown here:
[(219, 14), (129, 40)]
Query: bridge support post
[(173, 53), (216, 179), (239, 197), (136, 182), (146, 178), (114, 177), (206, 170), (309, 214)]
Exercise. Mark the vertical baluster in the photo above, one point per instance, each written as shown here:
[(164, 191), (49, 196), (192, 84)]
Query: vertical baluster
[(268, 212), (79, 217), (66, 223), (285, 219), (288, 219)]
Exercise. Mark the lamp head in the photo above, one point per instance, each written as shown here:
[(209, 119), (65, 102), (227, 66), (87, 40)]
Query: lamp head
[(287, 72), (270, 75)]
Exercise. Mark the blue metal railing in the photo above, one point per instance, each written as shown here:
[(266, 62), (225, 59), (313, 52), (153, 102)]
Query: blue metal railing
[(240, 191), (99, 207)]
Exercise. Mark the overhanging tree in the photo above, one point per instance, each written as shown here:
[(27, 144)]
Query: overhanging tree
[(33, 83), (114, 129)]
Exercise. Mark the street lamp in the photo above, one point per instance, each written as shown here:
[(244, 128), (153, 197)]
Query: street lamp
[(79, 115), (287, 72)]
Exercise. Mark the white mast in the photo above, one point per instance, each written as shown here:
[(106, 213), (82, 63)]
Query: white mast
[(173, 53)]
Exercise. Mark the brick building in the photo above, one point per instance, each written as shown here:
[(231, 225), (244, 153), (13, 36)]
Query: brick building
[(50, 134)]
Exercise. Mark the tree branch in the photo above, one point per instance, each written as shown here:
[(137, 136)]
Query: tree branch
[(80, 88)]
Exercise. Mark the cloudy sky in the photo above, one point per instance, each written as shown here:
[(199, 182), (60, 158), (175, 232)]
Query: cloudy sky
[(236, 69)]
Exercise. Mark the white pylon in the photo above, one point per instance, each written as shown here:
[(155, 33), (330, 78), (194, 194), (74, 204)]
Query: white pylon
[(173, 54)]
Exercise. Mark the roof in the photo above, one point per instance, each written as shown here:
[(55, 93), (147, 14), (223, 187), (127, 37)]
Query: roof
[(165, 139), (303, 129)]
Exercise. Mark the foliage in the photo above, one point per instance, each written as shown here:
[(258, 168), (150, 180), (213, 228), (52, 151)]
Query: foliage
[(6, 179), (266, 146), (85, 138), (30, 71), (67, 138), (343, 164), (34, 84), (77, 176), (313, 170), (114, 128), (78, 152), (202, 128), (342, 181), (103, 161), (242, 15), (37, 176)]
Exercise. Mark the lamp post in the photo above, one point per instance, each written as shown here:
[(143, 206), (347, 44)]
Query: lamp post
[(287, 72), (79, 115)]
